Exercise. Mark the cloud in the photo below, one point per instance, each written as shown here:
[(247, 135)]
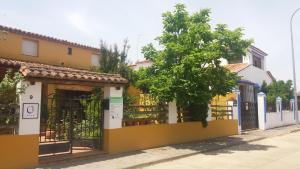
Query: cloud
[(79, 22)]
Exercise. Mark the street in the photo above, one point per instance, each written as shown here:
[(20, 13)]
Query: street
[(271, 153), (275, 148)]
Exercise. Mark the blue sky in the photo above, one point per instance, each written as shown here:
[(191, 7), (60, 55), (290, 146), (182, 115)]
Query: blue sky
[(86, 22)]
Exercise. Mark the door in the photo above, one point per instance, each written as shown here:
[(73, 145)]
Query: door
[(249, 112), (249, 115)]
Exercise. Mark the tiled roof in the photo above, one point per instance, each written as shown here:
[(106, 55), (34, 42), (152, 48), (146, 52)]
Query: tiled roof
[(257, 50), (271, 76), (48, 38), (140, 62), (237, 67), (37, 70)]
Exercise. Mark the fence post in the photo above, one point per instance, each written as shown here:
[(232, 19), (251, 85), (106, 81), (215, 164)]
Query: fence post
[(113, 112), (237, 113), (30, 108), (208, 113), (292, 107), (279, 107), (262, 110), (172, 112)]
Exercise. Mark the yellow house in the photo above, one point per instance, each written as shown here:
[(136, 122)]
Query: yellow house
[(60, 110), (25, 46)]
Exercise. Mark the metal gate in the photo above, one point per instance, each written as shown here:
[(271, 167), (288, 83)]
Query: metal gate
[(249, 115), (70, 121)]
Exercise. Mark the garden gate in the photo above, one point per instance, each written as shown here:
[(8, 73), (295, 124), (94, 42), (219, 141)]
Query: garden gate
[(69, 121), (249, 112), (249, 115)]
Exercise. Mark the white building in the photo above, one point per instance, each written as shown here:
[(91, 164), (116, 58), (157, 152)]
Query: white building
[(251, 68)]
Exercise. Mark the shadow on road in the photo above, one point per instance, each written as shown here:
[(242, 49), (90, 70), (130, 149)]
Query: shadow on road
[(224, 145), (221, 146)]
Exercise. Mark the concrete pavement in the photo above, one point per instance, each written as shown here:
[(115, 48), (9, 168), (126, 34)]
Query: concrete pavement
[(271, 153), (158, 156)]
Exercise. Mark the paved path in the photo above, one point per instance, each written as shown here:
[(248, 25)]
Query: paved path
[(272, 153), (144, 158)]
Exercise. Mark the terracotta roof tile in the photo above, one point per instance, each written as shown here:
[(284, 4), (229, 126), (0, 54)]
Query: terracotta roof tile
[(37, 70), (236, 67), (48, 38)]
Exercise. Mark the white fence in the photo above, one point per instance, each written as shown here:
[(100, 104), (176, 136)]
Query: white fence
[(268, 120), (277, 119)]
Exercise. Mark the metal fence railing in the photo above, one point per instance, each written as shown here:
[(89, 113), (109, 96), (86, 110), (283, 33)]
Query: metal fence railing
[(221, 112), (144, 114), (183, 116)]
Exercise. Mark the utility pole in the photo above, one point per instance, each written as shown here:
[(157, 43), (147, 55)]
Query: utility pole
[(294, 69)]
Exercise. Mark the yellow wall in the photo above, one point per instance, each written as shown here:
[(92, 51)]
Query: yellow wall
[(222, 100), (18, 152), (149, 136), (48, 52), (141, 98)]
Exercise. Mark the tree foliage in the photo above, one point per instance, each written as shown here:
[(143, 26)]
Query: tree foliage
[(9, 89), (187, 65), (113, 60), (279, 88)]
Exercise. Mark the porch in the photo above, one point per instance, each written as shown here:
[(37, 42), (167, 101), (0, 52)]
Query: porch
[(59, 111)]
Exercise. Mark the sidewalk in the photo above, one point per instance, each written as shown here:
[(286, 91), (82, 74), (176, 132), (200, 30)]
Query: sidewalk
[(143, 158)]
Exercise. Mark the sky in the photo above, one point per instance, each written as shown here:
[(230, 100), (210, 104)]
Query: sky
[(89, 21)]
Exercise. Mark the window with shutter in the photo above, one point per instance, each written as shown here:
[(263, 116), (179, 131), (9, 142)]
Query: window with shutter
[(95, 61), (29, 47)]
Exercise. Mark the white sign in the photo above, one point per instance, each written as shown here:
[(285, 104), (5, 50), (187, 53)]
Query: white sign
[(30, 111), (116, 107)]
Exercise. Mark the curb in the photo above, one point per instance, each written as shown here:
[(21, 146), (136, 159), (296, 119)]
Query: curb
[(207, 151), (90, 157)]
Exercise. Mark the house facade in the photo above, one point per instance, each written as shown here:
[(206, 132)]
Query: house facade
[(253, 72), (251, 67), (60, 106), (62, 111), (26, 46)]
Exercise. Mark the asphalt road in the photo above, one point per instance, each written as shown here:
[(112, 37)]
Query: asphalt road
[(281, 152)]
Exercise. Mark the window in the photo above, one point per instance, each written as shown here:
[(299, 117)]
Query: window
[(29, 47), (69, 51), (95, 60), (257, 62)]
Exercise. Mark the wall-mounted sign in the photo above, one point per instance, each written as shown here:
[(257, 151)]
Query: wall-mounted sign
[(116, 107), (30, 111)]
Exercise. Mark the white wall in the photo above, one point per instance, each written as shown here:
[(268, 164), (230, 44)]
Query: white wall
[(142, 65), (247, 58), (32, 95), (274, 119), (114, 115), (224, 62), (255, 75)]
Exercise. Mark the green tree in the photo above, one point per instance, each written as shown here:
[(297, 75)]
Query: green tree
[(9, 89), (264, 87), (187, 67), (112, 60), (281, 89)]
